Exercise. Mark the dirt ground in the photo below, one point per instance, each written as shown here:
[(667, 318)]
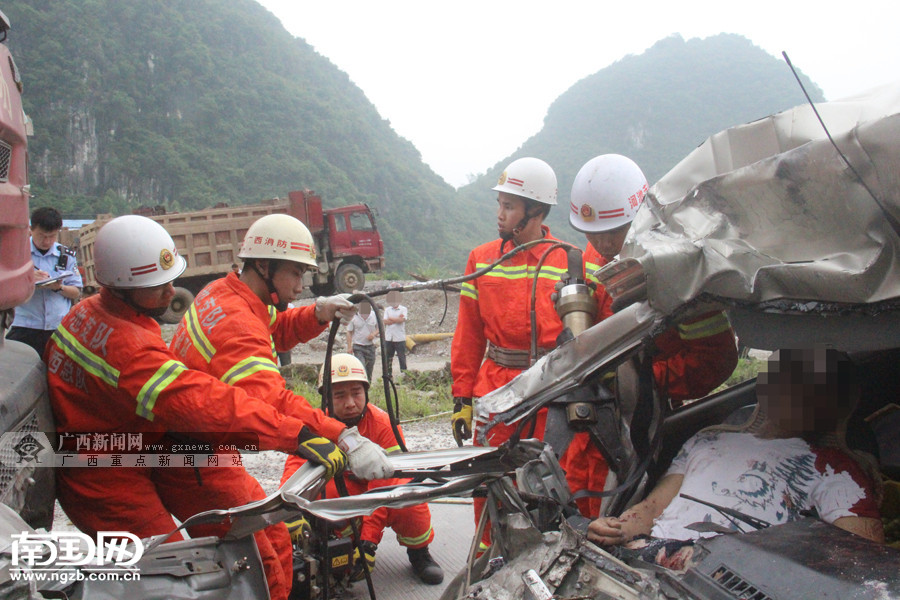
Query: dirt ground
[(426, 311)]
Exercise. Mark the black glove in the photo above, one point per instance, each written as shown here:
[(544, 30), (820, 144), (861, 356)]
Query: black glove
[(461, 421), (321, 451)]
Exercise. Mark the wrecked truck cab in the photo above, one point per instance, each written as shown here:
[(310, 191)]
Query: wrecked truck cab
[(768, 222)]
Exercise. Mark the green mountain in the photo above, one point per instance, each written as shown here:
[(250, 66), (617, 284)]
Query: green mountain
[(654, 108), (187, 103)]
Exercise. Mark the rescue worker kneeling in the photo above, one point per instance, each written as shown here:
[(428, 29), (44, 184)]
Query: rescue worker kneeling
[(109, 372), (350, 401)]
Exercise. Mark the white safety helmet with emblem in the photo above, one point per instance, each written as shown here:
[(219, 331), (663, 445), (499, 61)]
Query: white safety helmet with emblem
[(529, 178), (135, 252), (280, 237), (607, 193), (344, 367)]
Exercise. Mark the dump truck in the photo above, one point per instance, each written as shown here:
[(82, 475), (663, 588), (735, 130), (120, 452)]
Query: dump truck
[(348, 244)]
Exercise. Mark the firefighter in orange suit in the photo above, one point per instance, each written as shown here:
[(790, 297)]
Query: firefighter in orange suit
[(495, 308), (110, 372), (694, 357), (237, 324), (350, 402)]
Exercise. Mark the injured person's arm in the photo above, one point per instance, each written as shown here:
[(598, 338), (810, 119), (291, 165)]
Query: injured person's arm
[(638, 520)]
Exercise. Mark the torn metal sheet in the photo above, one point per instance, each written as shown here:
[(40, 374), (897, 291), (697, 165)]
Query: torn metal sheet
[(286, 502), (795, 226), (568, 366)]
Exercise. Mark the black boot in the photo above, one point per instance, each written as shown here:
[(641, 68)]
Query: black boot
[(424, 566)]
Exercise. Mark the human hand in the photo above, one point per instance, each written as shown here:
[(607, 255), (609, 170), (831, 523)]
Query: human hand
[(606, 531), (334, 307), (321, 451), (367, 459), (461, 421)]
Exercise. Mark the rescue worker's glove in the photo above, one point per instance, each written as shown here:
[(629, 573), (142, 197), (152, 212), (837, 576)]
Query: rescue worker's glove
[(368, 550), (334, 307), (461, 421), (367, 459), (321, 451), (297, 527)]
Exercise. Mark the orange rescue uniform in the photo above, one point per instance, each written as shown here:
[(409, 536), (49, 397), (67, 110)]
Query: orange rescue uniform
[(694, 357), (412, 524), (496, 308), (109, 371), (231, 334)]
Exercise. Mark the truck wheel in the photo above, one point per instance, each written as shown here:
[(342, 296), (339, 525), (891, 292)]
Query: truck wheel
[(349, 278), (179, 305)]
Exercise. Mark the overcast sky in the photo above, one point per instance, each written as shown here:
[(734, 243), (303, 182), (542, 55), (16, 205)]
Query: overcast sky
[(444, 73)]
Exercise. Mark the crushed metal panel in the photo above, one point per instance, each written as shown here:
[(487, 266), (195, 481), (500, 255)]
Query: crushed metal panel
[(746, 144), (794, 226)]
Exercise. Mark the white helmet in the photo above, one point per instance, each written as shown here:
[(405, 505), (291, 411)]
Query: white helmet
[(344, 367), (135, 252), (530, 178), (606, 194), (281, 237)]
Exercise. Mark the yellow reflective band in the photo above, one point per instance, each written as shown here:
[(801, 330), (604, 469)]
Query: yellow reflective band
[(165, 375), (416, 541), (247, 367), (469, 290), (392, 449), (705, 328), (198, 338), (524, 272), (273, 314), (89, 361), (589, 270)]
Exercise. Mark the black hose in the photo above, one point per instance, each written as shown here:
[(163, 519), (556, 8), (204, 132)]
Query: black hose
[(532, 355)]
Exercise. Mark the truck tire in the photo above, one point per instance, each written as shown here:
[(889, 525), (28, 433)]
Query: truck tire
[(349, 278), (179, 305)]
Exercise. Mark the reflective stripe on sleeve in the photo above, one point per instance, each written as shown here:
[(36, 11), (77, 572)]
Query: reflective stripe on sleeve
[(468, 290), (705, 328), (247, 367), (589, 270), (89, 361), (392, 449), (273, 314), (165, 375), (198, 338)]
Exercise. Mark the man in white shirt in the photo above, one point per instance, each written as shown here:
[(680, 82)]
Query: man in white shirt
[(361, 333), (395, 316)]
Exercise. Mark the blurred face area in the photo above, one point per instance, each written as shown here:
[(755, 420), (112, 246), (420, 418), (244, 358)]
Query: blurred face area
[(393, 298), (288, 280), (348, 398), (365, 309), (806, 391), (43, 239), (153, 301), (609, 243), (510, 212)]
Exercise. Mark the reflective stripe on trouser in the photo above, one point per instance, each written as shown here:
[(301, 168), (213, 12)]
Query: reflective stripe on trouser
[(412, 525)]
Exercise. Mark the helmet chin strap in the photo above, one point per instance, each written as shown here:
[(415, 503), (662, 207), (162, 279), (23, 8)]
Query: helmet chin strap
[(270, 286), (125, 297)]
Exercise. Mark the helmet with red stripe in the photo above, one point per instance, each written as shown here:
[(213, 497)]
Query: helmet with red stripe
[(530, 178), (344, 367), (135, 252), (280, 237), (606, 194)]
